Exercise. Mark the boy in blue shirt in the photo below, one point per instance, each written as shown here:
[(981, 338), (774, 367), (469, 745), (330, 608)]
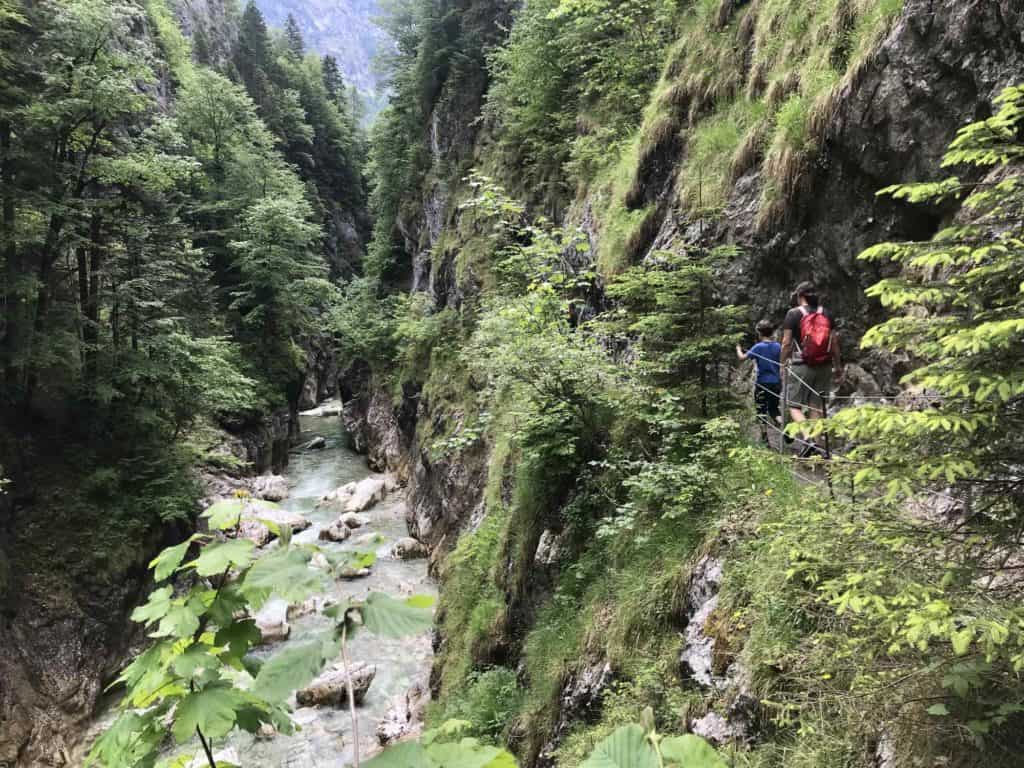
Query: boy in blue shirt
[(768, 386)]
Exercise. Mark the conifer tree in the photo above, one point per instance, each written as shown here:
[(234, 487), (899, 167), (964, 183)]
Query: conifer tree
[(296, 46)]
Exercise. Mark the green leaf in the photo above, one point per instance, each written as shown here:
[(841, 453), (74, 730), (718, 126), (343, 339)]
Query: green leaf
[(182, 619), (292, 668), (213, 710), (962, 641), (133, 739), (407, 754), (224, 514), (167, 562), (467, 753), (195, 662), (691, 751), (627, 747), (219, 557), (285, 573), (385, 616), (156, 607), (938, 710), (238, 637)]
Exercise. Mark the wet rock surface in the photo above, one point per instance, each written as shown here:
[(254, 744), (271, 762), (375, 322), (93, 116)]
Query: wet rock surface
[(408, 548), (404, 719), (272, 622), (330, 689)]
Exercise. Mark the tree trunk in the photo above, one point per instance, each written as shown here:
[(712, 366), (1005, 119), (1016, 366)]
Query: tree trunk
[(92, 306), (14, 306)]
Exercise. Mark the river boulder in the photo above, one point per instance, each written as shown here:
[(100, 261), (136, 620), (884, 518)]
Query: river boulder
[(408, 548), (270, 487), (315, 604), (255, 517), (318, 443), (272, 621), (353, 520), (367, 493), (330, 689), (336, 531)]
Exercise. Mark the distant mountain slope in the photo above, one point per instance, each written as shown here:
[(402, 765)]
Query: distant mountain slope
[(341, 28)]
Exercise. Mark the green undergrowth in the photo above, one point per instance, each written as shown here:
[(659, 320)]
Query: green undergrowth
[(744, 85)]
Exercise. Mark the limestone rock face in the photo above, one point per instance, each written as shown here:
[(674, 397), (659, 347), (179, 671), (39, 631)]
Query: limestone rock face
[(702, 598), (330, 689)]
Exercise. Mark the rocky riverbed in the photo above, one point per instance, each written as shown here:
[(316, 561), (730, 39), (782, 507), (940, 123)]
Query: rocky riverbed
[(325, 736), (322, 488)]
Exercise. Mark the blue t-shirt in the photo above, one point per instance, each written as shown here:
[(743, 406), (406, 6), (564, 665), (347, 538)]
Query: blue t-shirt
[(766, 355)]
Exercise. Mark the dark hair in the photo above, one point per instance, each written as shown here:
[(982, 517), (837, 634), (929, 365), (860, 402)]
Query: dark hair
[(806, 290), (765, 328)]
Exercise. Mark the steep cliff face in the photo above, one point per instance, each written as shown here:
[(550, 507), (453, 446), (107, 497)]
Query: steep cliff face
[(344, 29), (937, 66)]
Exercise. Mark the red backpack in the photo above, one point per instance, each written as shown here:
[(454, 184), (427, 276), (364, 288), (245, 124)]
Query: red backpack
[(815, 337)]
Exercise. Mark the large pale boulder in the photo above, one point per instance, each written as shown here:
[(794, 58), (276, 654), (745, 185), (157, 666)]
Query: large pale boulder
[(318, 443), (270, 487), (253, 527), (330, 689), (367, 493), (338, 495), (272, 621), (328, 408)]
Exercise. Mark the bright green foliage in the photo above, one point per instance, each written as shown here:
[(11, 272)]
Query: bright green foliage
[(195, 673), (928, 598), (194, 669), (293, 667), (388, 617), (670, 309), (630, 746), (569, 63), (961, 313)]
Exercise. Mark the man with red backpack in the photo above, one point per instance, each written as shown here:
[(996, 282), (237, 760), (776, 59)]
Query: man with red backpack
[(811, 328)]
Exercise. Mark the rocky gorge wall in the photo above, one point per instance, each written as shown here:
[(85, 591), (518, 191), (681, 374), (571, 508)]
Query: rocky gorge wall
[(938, 66)]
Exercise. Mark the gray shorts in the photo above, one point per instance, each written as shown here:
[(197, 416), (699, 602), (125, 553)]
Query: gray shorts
[(803, 379)]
